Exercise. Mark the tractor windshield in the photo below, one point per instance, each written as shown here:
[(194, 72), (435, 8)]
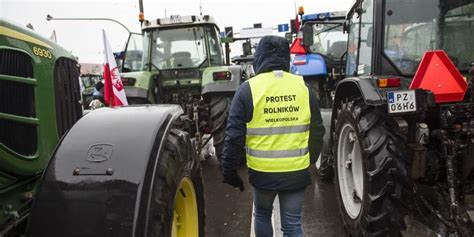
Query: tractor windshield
[(178, 48), (186, 47), (328, 40), (413, 27)]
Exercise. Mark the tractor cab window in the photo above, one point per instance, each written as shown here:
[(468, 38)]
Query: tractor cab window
[(215, 48), (414, 27), (366, 38), (178, 48), (134, 53), (353, 45), (328, 40)]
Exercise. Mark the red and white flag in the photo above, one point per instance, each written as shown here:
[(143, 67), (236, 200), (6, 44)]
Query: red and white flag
[(114, 93)]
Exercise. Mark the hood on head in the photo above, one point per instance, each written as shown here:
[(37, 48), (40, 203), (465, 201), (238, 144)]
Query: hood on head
[(272, 53)]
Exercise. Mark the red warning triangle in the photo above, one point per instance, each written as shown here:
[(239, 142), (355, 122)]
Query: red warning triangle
[(297, 48), (438, 74)]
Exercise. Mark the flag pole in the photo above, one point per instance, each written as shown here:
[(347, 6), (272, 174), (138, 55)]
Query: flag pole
[(296, 10)]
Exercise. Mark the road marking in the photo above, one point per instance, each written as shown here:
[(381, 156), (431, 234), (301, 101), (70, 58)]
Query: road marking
[(276, 220)]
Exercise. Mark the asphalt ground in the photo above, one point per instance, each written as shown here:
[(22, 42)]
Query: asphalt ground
[(229, 211)]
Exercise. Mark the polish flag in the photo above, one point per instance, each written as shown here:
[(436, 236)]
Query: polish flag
[(114, 93)]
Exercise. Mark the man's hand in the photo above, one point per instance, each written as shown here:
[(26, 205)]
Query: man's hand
[(234, 180)]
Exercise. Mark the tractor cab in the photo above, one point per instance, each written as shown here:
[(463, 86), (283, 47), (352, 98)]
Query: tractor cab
[(184, 43), (409, 29), (318, 50)]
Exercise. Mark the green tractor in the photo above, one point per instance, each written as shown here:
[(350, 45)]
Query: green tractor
[(181, 62), (39, 102), (64, 174)]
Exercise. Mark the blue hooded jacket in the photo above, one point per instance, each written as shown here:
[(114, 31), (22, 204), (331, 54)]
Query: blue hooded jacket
[(272, 53)]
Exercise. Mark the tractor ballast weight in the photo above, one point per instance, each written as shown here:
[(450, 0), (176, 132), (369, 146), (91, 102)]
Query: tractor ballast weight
[(109, 177)]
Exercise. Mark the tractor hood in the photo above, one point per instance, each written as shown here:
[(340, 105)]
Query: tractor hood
[(308, 65)]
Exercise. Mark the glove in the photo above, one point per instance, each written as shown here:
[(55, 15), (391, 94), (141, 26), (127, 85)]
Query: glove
[(234, 180)]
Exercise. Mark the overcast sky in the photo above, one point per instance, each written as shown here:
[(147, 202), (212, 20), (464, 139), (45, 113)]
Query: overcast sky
[(84, 38)]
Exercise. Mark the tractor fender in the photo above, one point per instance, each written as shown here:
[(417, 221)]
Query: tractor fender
[(99, 179), (359, 86), (211, 86), (347, 88)]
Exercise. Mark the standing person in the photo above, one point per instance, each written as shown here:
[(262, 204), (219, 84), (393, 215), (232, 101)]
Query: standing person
[(275, 122)]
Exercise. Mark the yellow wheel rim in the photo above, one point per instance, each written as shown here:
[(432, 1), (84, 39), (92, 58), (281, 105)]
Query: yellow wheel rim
[(185, 217)]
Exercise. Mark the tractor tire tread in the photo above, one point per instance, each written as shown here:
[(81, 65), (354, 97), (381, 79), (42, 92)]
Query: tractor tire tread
[(219, 111), (177, 160), (385, 170)]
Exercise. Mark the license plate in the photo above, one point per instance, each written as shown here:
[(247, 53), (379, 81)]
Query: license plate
[(401, 101)]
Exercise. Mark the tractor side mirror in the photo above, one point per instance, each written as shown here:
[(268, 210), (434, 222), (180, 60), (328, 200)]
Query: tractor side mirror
[(247, 48), (119, 58), (289, 37), (307, 35)]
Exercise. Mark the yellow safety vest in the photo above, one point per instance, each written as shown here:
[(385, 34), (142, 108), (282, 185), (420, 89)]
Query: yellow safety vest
[(277, 136)]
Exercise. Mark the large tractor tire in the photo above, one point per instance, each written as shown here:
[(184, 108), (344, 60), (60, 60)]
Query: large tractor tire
[(126, 171), (178, 201), (219, 111), (370, 170)]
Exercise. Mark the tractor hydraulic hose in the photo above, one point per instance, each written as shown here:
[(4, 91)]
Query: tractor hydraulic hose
[(451, 182)]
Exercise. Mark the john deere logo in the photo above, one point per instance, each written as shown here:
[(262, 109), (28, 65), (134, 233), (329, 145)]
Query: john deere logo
[(100, 153)]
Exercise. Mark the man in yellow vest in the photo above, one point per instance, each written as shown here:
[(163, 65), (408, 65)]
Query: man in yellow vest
[(275, 122)]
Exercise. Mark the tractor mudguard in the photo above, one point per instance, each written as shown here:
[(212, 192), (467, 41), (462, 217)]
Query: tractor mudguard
[(364, 86), (354, 87), (211, 86), (99, 178)]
